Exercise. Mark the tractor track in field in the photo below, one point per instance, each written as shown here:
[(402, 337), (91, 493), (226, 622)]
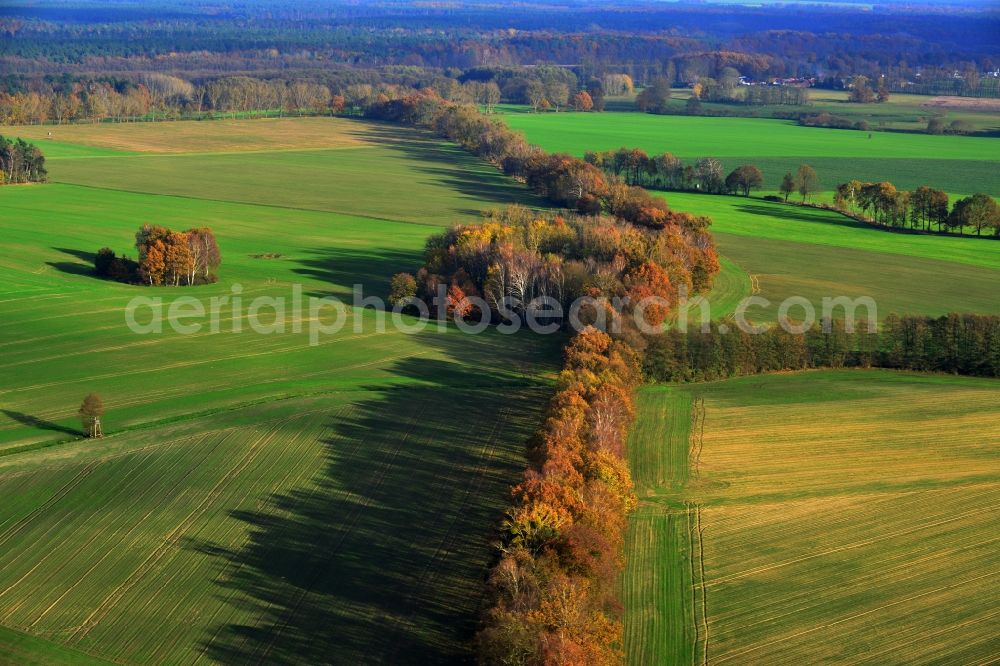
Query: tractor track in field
[(168, 542)]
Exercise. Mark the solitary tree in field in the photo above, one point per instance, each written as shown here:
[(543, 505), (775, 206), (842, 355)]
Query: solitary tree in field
[(91, 412), (806, 180), (787, 185)]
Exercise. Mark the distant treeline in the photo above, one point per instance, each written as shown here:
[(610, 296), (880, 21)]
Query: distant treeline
[(667, 172), (21, 162), (965, 344), (682, 42)]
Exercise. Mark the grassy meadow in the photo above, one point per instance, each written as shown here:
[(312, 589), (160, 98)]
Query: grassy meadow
[(958, 164), (257, 498), (814, 253), (904, 112), (361, 169), (841, 516)]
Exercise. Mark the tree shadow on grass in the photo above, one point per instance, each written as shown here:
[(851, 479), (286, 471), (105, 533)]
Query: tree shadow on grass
[(342, 268), (74, 267), (382, 557), (791, 212), (40, 423), (438, 158)]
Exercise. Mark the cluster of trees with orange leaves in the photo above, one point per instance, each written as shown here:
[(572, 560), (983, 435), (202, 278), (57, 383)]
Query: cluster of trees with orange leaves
[(564, 180), (517, 256), (166, 257), (554, 588)]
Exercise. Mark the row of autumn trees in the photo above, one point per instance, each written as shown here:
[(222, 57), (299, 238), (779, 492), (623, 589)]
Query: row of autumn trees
[(166, 257), (159, 95), (564, 180), (97, 101), (21, 162), (883, 204), (554, 586), (956, 343)]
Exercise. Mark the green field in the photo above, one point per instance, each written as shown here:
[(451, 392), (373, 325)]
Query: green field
[(836, 516), (814, 253), (258, 499), (379, 167), (902, 111), (956, 164)]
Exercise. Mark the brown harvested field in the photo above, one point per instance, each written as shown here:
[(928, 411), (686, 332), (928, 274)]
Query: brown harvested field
[(213, 136), (838, 517), (963, 103)]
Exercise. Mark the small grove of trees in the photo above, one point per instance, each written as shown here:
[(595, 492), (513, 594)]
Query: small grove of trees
[(804, 181), (554, 589), (635, 167), (957, 343), (21, 162), (936, 125), (980, 212), (166, 257), (863, 93), (881, 203), (617, 84)]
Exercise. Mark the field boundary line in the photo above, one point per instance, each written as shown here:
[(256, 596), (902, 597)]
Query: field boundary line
[(704, 591), (697, 437)]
